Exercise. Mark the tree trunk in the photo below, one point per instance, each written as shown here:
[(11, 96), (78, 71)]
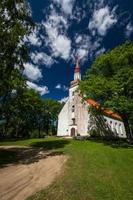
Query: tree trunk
[(39, 131), (47, 129)]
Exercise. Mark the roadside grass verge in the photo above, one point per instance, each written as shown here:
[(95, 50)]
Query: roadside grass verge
[(94, 171)]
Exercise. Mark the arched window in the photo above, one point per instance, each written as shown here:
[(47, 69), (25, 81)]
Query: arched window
[(73, 108)]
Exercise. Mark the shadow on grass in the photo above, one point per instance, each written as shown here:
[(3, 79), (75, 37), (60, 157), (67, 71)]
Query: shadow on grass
[(7, 156), (34, 153), (50, 145), (114, 143)]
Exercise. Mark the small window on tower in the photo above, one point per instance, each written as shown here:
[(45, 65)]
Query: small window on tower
[(72, 93), (73, 108), (73, 121)]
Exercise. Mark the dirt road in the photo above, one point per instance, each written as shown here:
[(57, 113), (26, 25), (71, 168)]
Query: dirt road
[(20, 180)]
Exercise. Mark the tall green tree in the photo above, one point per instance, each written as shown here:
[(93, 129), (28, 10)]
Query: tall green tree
[(51, 110), (110, 82), (15, 23)]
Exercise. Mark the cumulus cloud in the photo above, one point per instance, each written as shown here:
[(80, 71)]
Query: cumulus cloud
[(63, 100), (82, 53), (61, 87), (129, 29), (33, 39), (66, 5), (41, 58), (58, 41), (32, 71), (62, 47), (41, 89), (102, 20), (85, 46), (60, 19)]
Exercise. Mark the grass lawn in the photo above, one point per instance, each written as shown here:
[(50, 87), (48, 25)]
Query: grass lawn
[(94, 171)]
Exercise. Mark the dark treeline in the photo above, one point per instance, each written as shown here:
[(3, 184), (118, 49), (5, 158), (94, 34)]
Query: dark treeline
[(22, 112), (25, 114)]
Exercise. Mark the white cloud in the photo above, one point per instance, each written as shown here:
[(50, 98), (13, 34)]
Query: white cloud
[(58, 86), (78, 39), (58, 42), (129, 29), (42, 58), (32, 71), (102, 20), (82, 53), (78, 13), (66, 5), (85, 47), (33, 38), (63, 100), (62, 47), (61, 87), (100, 51), (57, 20), (41, 89)]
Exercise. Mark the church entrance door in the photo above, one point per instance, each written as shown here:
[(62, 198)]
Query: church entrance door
[(72, 132)]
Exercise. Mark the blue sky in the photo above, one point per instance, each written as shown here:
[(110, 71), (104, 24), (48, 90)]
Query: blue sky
[(70, 28)]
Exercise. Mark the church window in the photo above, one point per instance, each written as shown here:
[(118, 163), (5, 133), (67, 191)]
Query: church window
[(72, 93), (110, 122), (73, 120), (73, 108)]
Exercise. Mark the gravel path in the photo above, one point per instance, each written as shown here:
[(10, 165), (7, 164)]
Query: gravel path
[(19, 181)]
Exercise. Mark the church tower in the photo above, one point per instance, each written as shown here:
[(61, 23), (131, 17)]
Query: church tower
[(73, 101), (77, 77), (77, 74)]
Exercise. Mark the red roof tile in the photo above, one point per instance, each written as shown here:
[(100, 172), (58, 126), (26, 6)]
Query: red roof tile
[(106, 111)]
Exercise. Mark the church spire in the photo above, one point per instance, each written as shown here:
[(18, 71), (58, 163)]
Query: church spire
[(77, 74)]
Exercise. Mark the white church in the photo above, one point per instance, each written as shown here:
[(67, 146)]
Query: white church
[(74, 118)]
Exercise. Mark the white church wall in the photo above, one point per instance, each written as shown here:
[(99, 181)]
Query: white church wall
[(72, 92), (81, 116), (116, 126), (63, 121)]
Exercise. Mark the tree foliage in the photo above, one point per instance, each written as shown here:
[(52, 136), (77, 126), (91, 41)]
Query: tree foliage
[(15, 23), (26, 112), (110, 82), (21, 110)]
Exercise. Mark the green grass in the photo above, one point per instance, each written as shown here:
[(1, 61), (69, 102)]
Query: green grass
[(94, 171), (23, 142)]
